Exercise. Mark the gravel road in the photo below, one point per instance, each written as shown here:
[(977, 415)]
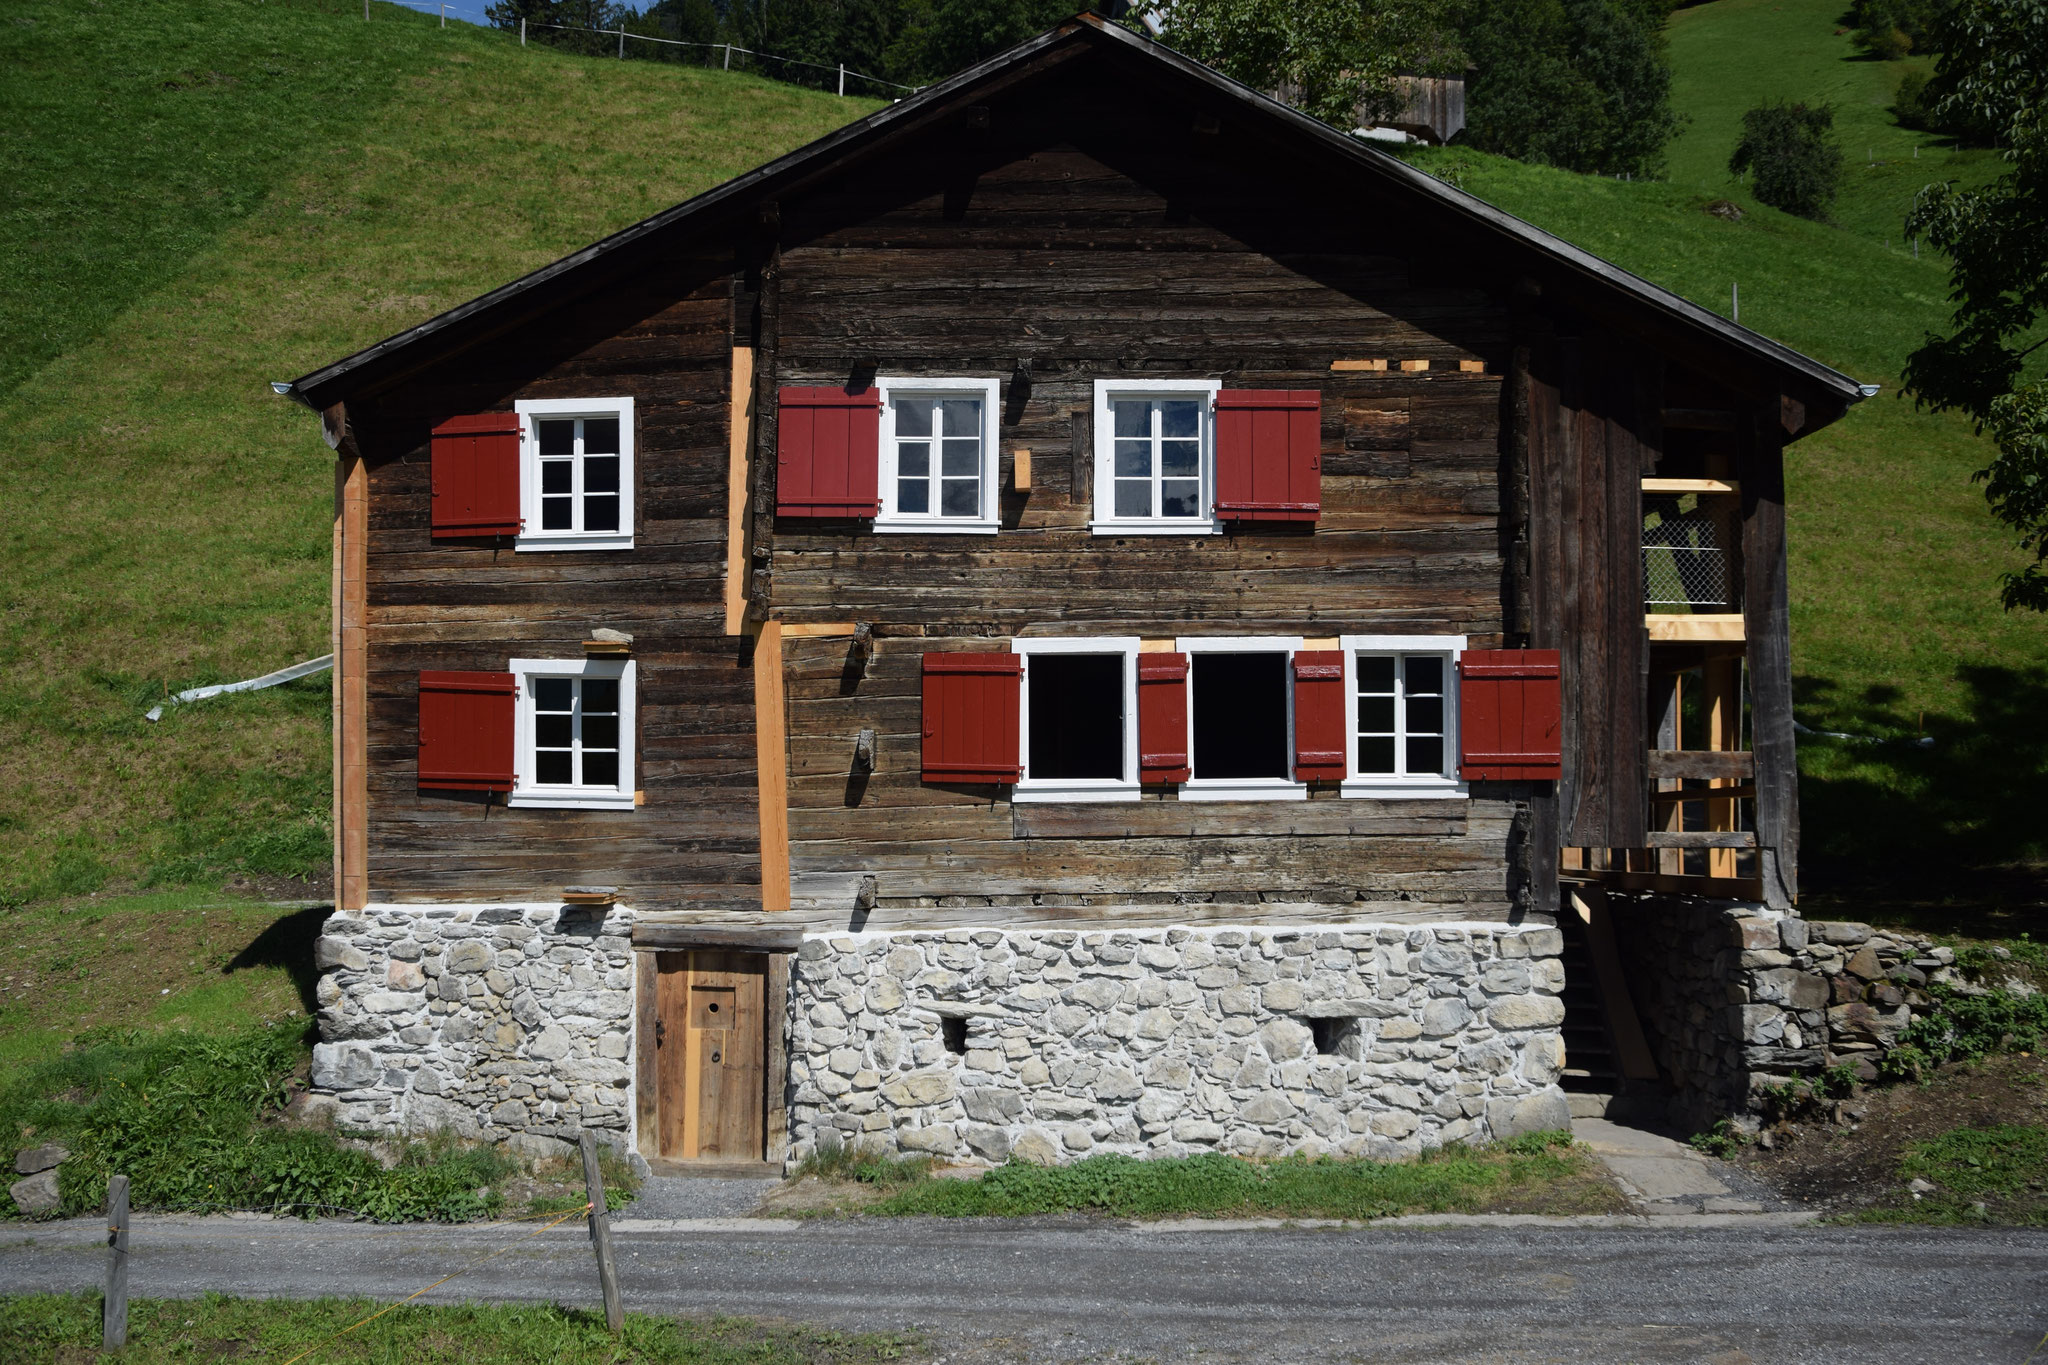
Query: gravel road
[(1074, 1289)]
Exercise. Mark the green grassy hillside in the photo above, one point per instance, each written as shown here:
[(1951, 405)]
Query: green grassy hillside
[(231, 193), (238, 191)]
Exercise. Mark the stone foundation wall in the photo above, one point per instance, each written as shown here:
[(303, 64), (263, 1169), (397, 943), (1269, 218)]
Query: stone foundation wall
[(1735, 996), (1051, 1046), (488, 1022)]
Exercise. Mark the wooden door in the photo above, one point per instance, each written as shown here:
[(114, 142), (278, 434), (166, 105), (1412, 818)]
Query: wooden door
[(711, 1054)]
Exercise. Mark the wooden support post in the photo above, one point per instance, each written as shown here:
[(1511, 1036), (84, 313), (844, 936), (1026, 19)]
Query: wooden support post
[(114, 1322), (739, 538), (351, 690), (1667, 700), (1766, 613), (601, 1236), (1723, 690), (771, 754)]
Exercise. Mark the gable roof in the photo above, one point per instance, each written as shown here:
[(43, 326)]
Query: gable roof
[(1590, 275)]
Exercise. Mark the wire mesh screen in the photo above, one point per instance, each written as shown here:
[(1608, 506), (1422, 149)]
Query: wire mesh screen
[(1685, 557)]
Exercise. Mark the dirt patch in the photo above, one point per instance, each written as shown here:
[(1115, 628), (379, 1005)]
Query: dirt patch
[(1846, 1159), (1590, 1189)]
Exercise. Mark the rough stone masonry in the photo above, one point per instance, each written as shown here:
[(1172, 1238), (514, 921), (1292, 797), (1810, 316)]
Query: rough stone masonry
[(1051, 1046)]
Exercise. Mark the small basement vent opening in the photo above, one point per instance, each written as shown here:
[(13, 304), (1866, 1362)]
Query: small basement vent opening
[(953, 1033), (1335, 1037)]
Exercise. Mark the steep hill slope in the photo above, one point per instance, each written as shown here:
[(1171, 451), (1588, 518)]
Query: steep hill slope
[(329, 182)]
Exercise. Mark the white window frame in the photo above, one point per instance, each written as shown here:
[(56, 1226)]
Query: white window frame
[(533, 538), (1385, 786), (527, 792), (1126, 788), (1106, 522), (1198, 788), (986, 520)]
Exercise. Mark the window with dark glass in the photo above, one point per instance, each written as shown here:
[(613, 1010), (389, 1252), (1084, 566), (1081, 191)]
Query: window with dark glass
[(1401, 714), (1239, 714), (1158, 457), (576, 732), (1076, 716), (579, 473), (938, 456)]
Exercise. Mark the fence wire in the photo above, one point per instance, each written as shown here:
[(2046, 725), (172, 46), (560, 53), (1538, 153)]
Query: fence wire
[(728, 49), (1685, 557)]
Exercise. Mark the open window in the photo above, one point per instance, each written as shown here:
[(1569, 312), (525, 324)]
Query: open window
[(1079, 731), (1155, 457), (938, 455), (1241, 719), (576, 474), (574, 733), (1402, 739)]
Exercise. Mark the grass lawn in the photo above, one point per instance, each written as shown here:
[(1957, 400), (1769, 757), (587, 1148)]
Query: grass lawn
[(274, 185), (52, 1328), (1541, 1173)]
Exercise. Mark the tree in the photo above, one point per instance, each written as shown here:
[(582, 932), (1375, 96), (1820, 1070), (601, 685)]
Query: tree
[(1994, 66), (1790, 153), (1889, 29), (1581, 84), (1333, 59)]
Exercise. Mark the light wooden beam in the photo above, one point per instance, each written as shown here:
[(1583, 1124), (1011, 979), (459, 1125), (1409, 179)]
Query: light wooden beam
[(739, 540), (1693, 629), (351, 691), (771, 755), (1691, 486)]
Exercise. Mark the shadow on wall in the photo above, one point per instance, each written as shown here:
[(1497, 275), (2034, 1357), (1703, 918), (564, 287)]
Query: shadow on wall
[(1959, 821), (288, 943)]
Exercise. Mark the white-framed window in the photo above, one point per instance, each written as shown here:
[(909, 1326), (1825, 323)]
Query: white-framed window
[(573, 733), (1241, 718), (1401, 739), (1155, 457), (576, 473), (938, 457), (1079, 719)]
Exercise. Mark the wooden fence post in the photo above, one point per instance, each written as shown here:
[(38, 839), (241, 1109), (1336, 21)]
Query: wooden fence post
[(114, 1325), (601, 1236)]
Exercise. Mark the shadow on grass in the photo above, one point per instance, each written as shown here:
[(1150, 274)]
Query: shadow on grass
[(288, 943), (1950, 835)]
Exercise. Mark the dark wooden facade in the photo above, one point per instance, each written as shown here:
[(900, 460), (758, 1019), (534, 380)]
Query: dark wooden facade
[(1085, 208)]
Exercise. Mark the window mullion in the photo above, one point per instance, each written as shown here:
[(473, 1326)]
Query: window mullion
[(1401, 715)]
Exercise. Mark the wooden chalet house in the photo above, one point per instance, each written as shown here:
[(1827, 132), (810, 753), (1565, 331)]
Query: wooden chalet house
[(1086, 611)]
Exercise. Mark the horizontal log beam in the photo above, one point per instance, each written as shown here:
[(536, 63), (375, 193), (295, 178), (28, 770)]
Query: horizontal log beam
[(673, 937), (1702, 838), (1672, 798), (1726, 765)]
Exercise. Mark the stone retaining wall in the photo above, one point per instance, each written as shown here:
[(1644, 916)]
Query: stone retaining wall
[(1052, 1046), (488, 1022), (1735, 996)]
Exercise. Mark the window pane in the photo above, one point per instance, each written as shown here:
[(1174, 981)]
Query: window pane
[(1240, 715), (557, 438), (1182, 458), (1425, 757), (1181, 417), (962, 417), (1077, 715), (914, 417), (914, 458), (601, 513), (600, 732), (553, 694), (1375, 673), (552, 767), (555, 476), (1133, 419), (1133, 498), (960, 497), (1180, 498), (1376, 755), (1425, 715), (600, 436), (600, 770), (913, 495), (1133, 459), (551, 730), (960, 457), (601, 474), (1376, 715), (1425, 673), (600, 695), (555, 515)]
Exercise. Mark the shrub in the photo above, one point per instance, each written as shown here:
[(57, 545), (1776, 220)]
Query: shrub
[(1889, 29), (1789, 151), (1960, 1027)]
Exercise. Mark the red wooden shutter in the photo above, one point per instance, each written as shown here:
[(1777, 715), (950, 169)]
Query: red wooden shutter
[(1269, 464), (827, 452), (466, 732), (476, 476), (970, 717), (1319, 715), (1163, 718), (1508, 707)]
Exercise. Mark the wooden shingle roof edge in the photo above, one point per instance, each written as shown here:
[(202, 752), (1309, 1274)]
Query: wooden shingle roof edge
[(491, 313)]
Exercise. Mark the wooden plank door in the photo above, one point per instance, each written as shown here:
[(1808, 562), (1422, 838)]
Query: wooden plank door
[(711, 1054)]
